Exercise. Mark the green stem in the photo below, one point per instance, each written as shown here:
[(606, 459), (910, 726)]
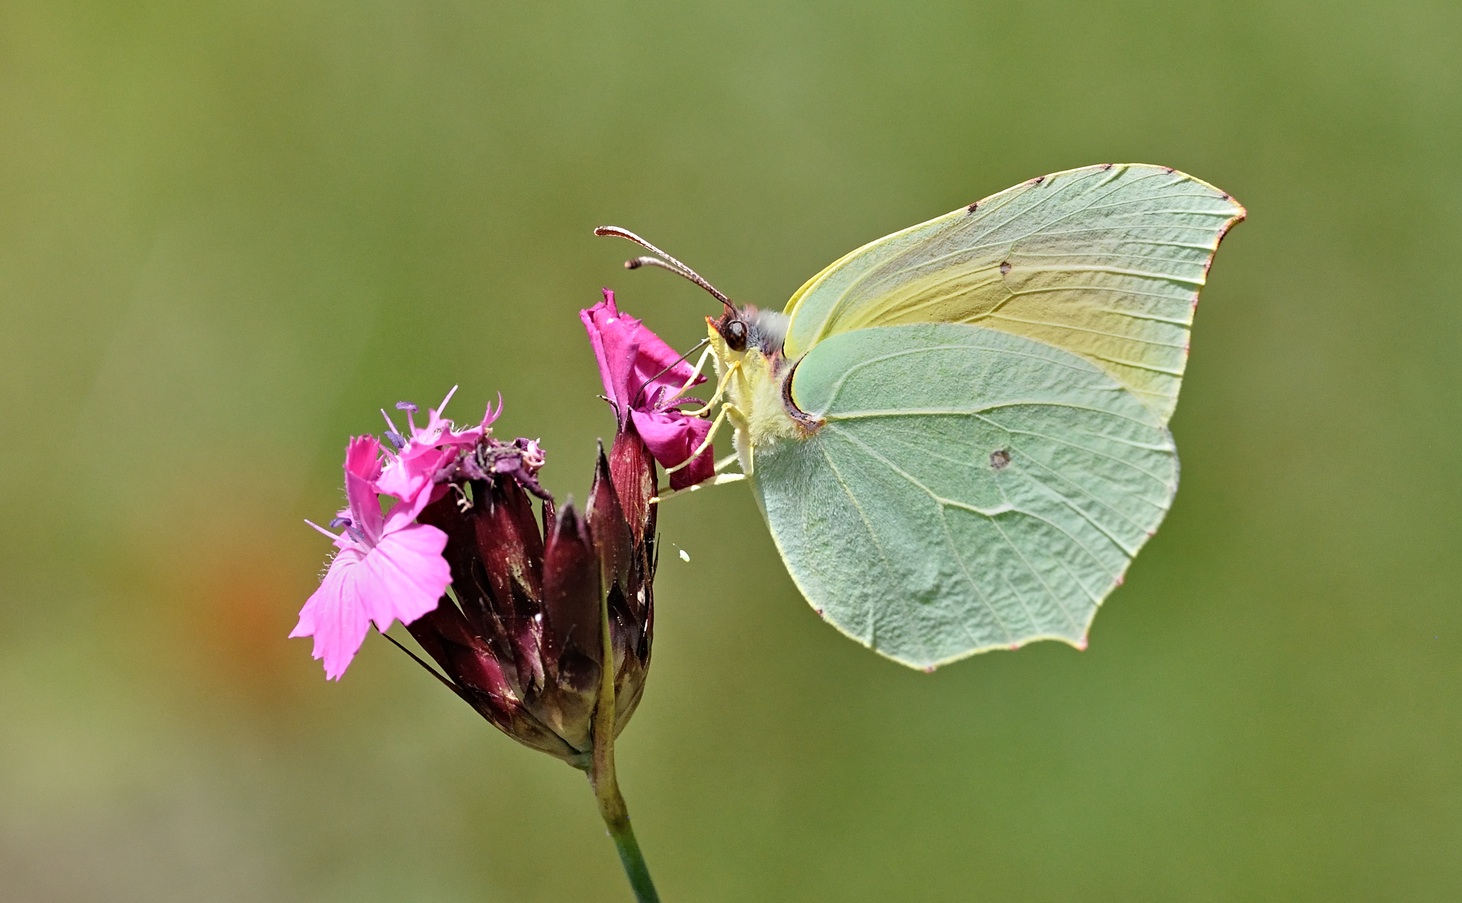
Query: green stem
[(616, 818), (602, 775)]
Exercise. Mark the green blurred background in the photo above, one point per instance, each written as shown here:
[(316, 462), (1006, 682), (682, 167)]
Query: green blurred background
[(229, 232)]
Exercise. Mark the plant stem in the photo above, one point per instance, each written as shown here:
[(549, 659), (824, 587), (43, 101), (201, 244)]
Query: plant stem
[(602, 776), (616, 818)]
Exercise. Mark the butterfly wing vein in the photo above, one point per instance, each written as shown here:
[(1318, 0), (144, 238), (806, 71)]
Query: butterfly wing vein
[(970, 489), (1105, 262)]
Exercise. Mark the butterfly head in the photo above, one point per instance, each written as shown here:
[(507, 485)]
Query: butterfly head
[(743, 328)]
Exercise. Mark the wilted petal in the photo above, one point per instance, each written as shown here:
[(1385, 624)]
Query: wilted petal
[(412, 474)]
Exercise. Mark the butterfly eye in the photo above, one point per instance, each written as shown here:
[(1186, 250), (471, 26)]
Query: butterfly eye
[(734, 332)]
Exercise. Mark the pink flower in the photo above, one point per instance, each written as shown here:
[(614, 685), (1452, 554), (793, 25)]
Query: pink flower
[(388, 567), (412, 475), (643, 378)]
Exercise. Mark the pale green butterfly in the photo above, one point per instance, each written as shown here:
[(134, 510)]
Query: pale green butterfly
[(958, 432)]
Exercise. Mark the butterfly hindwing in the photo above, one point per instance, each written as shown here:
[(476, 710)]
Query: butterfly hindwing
[(1104, 261), (969, 489)]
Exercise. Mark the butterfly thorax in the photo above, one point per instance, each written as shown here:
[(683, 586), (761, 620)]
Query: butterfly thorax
[(747, 346)]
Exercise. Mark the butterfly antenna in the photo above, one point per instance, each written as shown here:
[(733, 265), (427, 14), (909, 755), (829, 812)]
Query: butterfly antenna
[(664, 261)]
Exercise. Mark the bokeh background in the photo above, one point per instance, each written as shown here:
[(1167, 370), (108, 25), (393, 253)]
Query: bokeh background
[(230, 232)]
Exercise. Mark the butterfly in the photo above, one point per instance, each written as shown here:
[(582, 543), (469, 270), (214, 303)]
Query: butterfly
[(958, 433)]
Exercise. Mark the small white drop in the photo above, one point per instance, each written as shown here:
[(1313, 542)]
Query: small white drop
[(684, 555)]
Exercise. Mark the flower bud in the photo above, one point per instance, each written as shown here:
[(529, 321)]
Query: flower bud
[(520, 637)]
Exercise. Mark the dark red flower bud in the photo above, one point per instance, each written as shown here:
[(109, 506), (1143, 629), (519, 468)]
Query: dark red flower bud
[(632, 470), (520, 634)]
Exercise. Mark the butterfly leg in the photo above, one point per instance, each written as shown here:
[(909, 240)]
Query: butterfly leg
[(729, 412), (719, 479), (717, 395), (695, 375), (741, 439), (705, 443)]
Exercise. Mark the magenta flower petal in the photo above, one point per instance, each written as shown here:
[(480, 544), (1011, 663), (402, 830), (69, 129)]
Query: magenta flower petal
[(599, 322), (405, 575), (387, 568), (333, 615), (643, 377), (411, 475), (639, 370), (402, 578), (362, 467), (671, 437)]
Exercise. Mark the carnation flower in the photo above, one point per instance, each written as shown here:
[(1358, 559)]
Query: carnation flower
[(506, 602), (541, 622), (388, 567), (644, 379)]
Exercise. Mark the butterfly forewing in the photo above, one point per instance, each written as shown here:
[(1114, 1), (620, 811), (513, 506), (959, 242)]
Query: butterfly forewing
[(969, 489), (1104, 262)]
